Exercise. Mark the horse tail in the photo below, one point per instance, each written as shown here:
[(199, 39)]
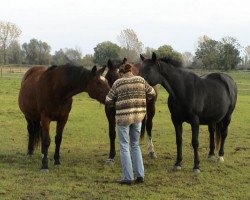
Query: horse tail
[(218, 135), (35, 135)]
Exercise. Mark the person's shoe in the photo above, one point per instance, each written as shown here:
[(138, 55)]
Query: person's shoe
[(139, 180), (124, 182)]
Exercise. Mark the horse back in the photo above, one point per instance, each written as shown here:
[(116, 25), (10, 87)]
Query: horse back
[(227, 82)]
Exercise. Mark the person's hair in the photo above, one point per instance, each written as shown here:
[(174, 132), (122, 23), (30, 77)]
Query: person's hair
[(126, 68)]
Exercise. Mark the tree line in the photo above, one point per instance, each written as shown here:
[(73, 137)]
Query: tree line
[(225, 54)]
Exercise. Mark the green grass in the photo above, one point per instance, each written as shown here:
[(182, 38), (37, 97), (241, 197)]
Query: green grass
[(83, 173)]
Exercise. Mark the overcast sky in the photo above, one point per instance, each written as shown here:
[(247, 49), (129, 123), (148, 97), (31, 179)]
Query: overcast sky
[(85, 23)]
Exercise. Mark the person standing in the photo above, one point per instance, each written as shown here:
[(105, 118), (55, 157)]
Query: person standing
[(129, 95)]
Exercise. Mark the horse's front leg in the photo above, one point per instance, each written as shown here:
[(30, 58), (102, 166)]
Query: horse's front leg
[(178, 133), (58, 139), (195, 143), (110, 114), (149, 125), (45, 124)]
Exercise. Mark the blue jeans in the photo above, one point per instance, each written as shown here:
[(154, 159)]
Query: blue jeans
[(130, 152)]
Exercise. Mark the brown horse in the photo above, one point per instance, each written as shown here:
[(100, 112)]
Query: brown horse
[(115, 72), (46, 95)]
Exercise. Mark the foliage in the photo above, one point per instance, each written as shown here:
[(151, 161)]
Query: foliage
[(104, 51), (188, 59), (9, 32), (87, 60), (37, 52), (130, 44), (224, 54), (15, 53), (68, 55), (168, 51)]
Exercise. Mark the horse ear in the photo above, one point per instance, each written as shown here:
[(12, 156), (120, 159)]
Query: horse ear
[(154, 58), (124, 60), (94, 70), (110, 64), (100, 71), (142, 57)]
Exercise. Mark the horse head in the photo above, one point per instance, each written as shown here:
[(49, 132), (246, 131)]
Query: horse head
[(98, 86), (149, 70), (113, 70)]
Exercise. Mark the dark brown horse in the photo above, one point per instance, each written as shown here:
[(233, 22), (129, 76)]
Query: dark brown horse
[(114, 72), (46, 95)]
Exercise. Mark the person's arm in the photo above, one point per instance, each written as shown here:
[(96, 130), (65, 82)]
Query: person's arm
[(150, 92), (111, 97)]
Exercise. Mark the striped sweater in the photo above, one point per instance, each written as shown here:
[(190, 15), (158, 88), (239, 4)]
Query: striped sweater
[(128, 94)]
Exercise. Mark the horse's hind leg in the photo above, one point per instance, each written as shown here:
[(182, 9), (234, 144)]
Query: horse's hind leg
[(223, 131), (58, 139), (211, 129), (143, 125), (149, 125)]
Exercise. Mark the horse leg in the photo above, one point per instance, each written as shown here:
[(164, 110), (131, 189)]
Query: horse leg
[(110, 114), (45, 123), (195, 143), (58, 139), (178, 133), (223, 131), (143, 128), (149, 125), (211, 129)]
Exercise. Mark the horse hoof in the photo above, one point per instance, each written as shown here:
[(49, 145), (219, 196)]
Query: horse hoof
[(177, 168), (220, 159), (152, 155), (212, 158), (196, 171), (110, 161), (44, 170)]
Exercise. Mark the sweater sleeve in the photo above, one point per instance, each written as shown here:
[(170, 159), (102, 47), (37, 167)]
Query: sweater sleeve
[(150, 92), (111, 97)]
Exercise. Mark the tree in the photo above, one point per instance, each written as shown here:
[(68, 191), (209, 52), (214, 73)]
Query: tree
[(130, 44), (59, 58), (229, 55), (68, 55), (37, 52), (15, 53), (104, 51), (148, 52), (8, 33), (73, 56), (222, 54), (208, 52), (168, 51), (87, 60), (187, 58)]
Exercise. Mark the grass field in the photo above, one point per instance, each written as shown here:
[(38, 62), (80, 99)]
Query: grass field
[(83, 173)]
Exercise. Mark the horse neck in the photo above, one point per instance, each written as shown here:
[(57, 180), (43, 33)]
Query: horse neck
[(172, 79), (76, 83)]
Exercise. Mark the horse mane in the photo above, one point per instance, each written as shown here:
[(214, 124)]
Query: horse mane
[(52, 67), (73, 72), (172, 61)]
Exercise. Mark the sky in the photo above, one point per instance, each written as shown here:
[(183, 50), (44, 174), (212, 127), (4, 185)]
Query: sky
[(85, 23)]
